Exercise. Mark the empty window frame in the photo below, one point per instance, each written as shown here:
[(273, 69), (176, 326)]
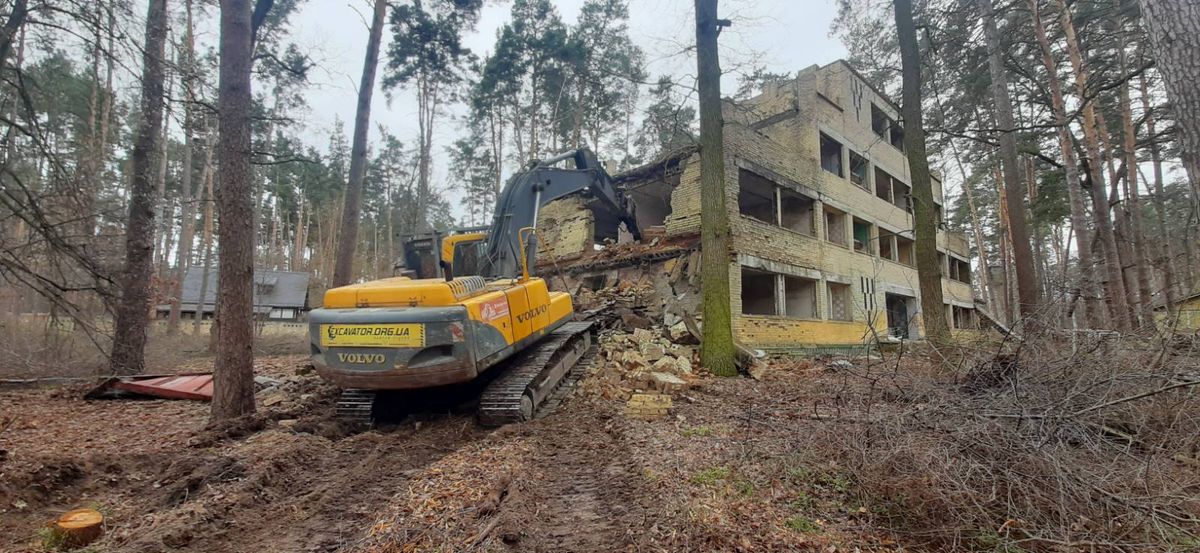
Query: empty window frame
[(831, 155), (964, 318), (887, 245), (840, 308), (883, 185), (800, 297), (901, 197), (960, 270), (880, 123), (797, 212), (897, 138), (758, 292), (862, 237), (905, 251), (835, 226), (859, 168), (756, 197)]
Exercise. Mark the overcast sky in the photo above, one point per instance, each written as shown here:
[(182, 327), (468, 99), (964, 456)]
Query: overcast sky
[(783, 35)]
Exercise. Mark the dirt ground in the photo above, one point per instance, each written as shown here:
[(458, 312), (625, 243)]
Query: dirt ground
[(722, 472)]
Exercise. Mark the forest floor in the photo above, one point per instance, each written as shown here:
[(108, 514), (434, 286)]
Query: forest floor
[(721, 472)]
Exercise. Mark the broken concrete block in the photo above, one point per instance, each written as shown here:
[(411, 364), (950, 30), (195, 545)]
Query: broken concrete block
[(273, 399), (635, 321), (667, 382), (648, 406), (641, 336), (665, 364), (633, 360), (684, 365), (757, 369), (840, 365), (653, 351)]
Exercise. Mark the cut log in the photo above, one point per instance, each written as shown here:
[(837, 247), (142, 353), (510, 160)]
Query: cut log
[(79, 527)]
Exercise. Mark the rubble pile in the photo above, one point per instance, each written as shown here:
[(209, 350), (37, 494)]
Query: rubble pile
[(641, 361)]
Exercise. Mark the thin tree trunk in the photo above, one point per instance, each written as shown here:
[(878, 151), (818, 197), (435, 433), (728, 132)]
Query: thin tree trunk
[(348, 238), (187, 221), (1174, 29), (163, 230), (233, 377), (1166, 257), (1146, 306), (206, 241), (929, 266), (132, 317), (1114, 284), (1085, 287), (716, 349), (1014, 188)]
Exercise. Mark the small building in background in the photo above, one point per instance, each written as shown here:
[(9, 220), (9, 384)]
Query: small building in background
[(278, 295), (1184, 318)]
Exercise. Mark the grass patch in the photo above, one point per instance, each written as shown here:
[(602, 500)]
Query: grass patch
[(710, 476), (802, 524), (697, 432)]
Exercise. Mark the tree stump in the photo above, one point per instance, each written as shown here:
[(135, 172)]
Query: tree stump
[(79, 527)]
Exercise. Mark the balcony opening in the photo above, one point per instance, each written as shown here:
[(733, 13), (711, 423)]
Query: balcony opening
[(883, 185), (831, 155), (835, 226), (858, 169), (800, 295), (797, 212), (758, 292), (905, 251), (756, 197), (839, 302), (862, 236)]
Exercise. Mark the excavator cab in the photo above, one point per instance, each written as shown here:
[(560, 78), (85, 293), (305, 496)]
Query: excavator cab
[(441, 254)]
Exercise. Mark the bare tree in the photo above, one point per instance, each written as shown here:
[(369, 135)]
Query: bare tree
[(343, 271), (717, 349), (929, 267), (129, 341), (187, 219), (233, 377)]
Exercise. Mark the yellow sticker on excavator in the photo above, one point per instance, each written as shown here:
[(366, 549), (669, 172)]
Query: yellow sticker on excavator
[(373, 336)]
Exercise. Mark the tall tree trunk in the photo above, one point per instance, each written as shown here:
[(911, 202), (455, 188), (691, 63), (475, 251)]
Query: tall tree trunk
[(716, 349), (343, 271), (1166, 255), (1114, 283), (129, 340), (929, 266), (1014, 187), (187, 217), (163, 229), (1174, 29), (206, 240), (233, 377), (1129, 145), (1084, 285)]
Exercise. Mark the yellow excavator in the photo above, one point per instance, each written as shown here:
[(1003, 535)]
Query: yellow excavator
[(477, 312)]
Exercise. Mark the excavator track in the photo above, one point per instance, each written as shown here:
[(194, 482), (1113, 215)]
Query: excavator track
[(533, 376), (354, 408)]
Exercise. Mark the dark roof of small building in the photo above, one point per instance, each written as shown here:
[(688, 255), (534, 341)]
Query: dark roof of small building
[(285, 289)]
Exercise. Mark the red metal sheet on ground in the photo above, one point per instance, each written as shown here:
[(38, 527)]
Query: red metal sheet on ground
[(190, 386)]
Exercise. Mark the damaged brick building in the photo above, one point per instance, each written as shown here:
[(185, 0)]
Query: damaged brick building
[(817, 186)]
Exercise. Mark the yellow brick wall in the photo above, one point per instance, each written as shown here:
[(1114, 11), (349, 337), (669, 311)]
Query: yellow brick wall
[(565, 228)]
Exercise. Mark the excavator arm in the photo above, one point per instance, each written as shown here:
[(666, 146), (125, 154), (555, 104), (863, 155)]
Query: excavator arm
[(541, 183)]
